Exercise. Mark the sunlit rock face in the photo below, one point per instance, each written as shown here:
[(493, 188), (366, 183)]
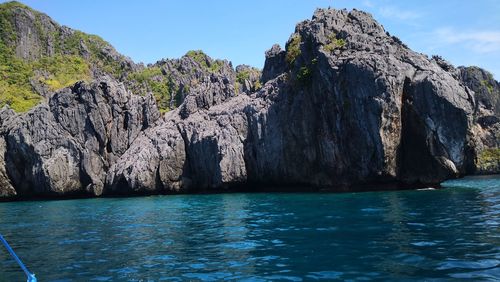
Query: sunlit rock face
[(343, 105)]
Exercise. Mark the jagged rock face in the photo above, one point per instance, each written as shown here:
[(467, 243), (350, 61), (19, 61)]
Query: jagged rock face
[(487, 117), (344, 104), (6, 188), (30, 26), (487, 92), (248, 79), (485, 139), (200, 152), (195, 74), (359, 99), (367, 110), (275, 63), (65, 146)]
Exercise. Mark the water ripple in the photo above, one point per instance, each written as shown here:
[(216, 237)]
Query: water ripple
[(431, 235)]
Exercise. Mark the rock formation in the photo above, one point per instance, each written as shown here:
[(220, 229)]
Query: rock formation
[(486, 127), (344, 105), (65, 146)]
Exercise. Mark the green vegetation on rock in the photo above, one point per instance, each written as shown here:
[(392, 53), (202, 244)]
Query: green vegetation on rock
[(237, 86), (15, 88), (489, 159), (488, 86), (62, 70), (95, 45), (334, 43), (19, 97), (7, 32), (16, 75), (58, 58), (257, 85), (153, 79), (201, 58), (293, 49), (242, 76), (248, 78), (304, 75)]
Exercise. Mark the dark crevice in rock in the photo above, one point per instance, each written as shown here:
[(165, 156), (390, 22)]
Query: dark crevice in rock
[(186, 169), (417, 144)]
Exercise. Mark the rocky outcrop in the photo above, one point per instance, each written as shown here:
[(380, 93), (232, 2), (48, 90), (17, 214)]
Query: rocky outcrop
[(487, 117), (40, 56), (344, 105), (355, 108), (275, 63), (172, 80), (248, 79), (201, 151), (35, 35), (6, 188), (486, 88), (64, 147)]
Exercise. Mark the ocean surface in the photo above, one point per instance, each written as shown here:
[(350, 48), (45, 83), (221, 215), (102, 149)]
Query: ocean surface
[(430, 235)]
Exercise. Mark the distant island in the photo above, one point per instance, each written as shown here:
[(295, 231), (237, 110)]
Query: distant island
[(344, 106)]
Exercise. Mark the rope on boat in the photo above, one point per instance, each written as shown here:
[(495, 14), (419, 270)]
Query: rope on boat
[(29, 275)]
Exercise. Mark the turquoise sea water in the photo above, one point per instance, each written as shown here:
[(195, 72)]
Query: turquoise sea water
[(406, 235)]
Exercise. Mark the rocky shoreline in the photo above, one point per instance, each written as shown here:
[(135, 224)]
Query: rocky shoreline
[(344, 106), (248, 188)]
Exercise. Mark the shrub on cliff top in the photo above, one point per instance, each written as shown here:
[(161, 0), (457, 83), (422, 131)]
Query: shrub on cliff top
[(204, 60), (198, 56)]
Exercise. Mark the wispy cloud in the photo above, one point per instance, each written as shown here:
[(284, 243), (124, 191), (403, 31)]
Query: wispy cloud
[(480, 41), (399, 14), (368, 3), (391, 12)]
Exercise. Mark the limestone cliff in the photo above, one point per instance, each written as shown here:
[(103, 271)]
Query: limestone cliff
[(343, 105)]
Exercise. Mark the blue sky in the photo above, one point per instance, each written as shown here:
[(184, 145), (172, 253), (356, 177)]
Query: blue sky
[(463, 32)]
